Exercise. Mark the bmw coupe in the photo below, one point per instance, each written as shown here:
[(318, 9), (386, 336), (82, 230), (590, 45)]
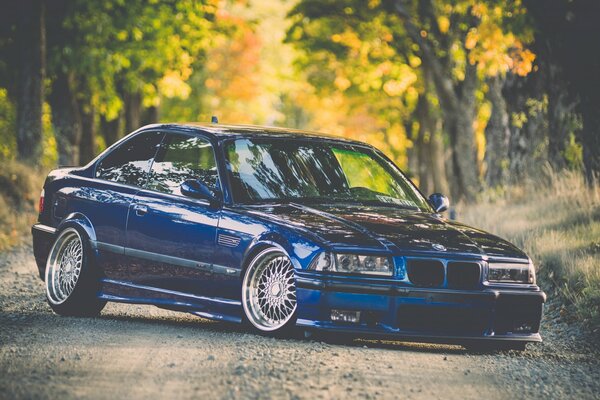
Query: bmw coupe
[(276, 228)]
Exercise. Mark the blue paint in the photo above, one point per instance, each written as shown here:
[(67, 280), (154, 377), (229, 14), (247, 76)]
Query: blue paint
[(189, 254)]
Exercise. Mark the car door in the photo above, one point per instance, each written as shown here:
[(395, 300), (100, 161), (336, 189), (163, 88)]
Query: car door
[(105, 201), (170, 237)]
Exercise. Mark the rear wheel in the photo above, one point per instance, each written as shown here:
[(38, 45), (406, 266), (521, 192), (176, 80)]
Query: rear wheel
[(269, 291), (71, 282)]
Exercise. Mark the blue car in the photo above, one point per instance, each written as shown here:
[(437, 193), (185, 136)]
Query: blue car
[(278, 229)]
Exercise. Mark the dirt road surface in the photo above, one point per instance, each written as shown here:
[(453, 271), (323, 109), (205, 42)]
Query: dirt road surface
[(132, 352)]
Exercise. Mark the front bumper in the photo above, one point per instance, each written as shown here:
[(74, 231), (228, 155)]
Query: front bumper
[(394, 309)]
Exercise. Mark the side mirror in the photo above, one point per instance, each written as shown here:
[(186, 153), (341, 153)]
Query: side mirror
[(198, 190), (439, 202)]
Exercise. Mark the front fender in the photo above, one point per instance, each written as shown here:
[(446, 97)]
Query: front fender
[(299, 250)]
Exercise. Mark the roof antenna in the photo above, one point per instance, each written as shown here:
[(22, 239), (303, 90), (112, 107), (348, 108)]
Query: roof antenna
[(214, 119)]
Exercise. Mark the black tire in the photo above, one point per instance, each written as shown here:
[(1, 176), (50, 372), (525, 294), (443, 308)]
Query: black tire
[(253, 315), (82, 299)]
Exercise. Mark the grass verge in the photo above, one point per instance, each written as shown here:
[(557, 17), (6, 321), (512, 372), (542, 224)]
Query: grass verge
[(556, 220)]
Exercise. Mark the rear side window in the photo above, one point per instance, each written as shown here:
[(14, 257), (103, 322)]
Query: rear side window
[(130, 162), (182, 158)]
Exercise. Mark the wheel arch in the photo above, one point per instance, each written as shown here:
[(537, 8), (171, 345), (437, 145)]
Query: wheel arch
[(261, 243), (78, 221), (299, 249)]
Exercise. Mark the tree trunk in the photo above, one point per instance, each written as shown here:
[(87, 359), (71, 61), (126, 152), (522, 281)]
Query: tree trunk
[(133, 111), (590, 140), (87, 147), (560, 114), (497, 136), (462, 137), (149, 115), (31, 39), (438, 160), (528, 127), (457, 101), (111, 130), (65, 119), (423, 161)]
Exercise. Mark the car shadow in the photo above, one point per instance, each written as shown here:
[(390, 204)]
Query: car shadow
[(187, 322)]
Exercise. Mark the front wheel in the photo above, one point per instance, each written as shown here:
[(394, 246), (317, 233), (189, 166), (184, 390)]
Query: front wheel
[(71, 282), (269, 291)]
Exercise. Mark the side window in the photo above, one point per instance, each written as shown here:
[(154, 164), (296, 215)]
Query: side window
[(130, 162), (183, 157)]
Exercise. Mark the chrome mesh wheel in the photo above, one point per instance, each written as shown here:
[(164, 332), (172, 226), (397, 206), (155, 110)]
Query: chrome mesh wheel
[(63, 267), (269, 290)]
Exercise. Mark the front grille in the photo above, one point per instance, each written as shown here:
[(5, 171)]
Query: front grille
[(443, 320), (425, 273), (463, 275)]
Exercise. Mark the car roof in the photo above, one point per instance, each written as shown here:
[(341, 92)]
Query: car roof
[(221, 131)]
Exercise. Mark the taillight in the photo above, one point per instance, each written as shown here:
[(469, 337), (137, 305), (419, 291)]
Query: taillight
[(41, 204)]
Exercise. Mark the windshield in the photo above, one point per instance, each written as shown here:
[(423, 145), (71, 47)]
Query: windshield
[(262, 170)]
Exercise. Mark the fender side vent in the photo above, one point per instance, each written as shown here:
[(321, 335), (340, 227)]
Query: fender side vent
[(227, 240)]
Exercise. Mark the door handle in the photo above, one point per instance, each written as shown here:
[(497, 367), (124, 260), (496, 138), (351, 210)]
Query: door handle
[(140, 209)]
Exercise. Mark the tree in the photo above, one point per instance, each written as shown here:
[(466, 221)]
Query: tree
[(113, 59), (30, 44), (570, 30), (453, 47)]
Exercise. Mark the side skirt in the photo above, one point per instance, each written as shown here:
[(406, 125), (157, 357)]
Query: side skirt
[(215, 308)]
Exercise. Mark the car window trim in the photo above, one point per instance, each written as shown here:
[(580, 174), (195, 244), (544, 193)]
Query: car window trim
[(178, 196), (117, 145), (364, 146)]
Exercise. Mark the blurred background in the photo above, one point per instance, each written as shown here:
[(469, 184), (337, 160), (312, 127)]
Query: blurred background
[(495, 103)]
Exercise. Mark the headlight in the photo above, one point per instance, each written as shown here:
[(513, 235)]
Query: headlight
[(511, 273), (353, 264)]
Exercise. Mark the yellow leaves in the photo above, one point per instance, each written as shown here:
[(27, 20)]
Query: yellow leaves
[(173, 84), (397, 87), (122, 35), (479, 10), (137, 34), (496, 52), (348, 38), (443, 23), (479, 125), (393, 88), (384, 68), (374, 4), (342, 83), (471, 39)]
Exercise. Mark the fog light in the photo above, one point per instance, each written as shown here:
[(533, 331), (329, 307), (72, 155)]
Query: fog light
[(345, 316)]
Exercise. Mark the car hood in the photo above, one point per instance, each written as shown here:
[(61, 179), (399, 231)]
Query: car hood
[(386, 228)]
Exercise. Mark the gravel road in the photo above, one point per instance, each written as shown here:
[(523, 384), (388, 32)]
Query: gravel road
[(135, 352)]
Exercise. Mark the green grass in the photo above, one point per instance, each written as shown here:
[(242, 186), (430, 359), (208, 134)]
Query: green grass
[(20, 188), (556, 220)]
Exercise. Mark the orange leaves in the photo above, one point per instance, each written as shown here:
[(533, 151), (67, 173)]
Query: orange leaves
[(342, 83), (522, 61)]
